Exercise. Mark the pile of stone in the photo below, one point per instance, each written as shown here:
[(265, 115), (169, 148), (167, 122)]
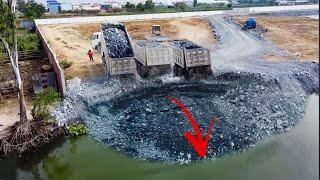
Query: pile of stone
[(185, 44), (117, 43), (147, 43)]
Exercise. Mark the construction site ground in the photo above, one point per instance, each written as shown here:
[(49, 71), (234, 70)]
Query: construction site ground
[(297, 35), (72, 41)]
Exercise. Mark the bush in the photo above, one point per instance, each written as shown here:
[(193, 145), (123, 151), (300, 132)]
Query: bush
[(149, 5), (32, 9), (42, 104), (64, 64), (28, 42), (181, 6), (140, 7), (77, 129)]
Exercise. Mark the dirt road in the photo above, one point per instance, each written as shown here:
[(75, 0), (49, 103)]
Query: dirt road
[(233, 46)]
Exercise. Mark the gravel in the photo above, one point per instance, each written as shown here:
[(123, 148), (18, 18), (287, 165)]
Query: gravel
[(185, 44), (117, 43)]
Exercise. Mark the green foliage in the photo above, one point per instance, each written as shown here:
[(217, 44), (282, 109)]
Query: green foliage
[(140, 7), (149, 5), (129, 6), (64, 64), (7, 23), (32, 9), (42, 104), (181, 6), (77, 129), (195, 2), (28, 41)]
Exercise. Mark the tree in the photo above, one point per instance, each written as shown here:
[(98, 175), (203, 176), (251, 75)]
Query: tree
[(195, 2), (140, 7), (149, 5), (9, 40), (181, 6), (129, 6), (32, 9)]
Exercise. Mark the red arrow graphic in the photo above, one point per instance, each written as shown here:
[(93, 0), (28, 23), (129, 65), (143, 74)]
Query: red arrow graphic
[(197, 141)]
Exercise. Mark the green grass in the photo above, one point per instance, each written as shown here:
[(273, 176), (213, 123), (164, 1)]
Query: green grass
[(2, 104), (42, 104), (64, 64)]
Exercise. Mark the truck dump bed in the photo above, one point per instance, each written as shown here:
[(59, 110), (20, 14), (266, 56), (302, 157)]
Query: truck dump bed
[(187, 54), (117, 52), (152, 53)]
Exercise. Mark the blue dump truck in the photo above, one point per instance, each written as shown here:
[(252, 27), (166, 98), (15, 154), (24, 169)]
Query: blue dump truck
[(249, 24)]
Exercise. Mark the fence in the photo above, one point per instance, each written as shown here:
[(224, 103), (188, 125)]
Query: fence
[(78, 20), (24, 56), (54, 62)]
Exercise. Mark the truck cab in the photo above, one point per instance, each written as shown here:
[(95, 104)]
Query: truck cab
[(96, 41), (156, 30)]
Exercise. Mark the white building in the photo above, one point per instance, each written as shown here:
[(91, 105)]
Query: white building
[(90, 6)]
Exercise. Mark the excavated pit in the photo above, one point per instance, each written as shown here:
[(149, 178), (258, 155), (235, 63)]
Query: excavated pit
[(136, 118)]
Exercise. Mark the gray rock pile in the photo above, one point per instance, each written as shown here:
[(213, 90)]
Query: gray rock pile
[(185, 44), (117, 43)]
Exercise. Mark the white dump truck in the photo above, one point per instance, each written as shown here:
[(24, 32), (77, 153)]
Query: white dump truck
[(190, 57), (114, 43), (152, 57)]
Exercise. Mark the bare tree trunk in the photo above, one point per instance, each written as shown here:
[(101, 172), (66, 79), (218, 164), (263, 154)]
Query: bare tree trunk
[(14, 63)]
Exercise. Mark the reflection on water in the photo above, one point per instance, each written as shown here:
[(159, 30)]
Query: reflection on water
[(293, 155)]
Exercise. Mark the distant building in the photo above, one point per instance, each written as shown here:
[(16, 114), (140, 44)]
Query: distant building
[(110, 5), (66, 7), (76, 7), (53, 6), (90, 6)]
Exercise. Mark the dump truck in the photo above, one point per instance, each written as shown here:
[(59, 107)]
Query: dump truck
[(189, 58), (117, 52), (96, 41), (152, 57)]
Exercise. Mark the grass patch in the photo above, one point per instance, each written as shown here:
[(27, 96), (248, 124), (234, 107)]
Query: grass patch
[(64, 64), (77, 129), (42, 104), (2, 104)]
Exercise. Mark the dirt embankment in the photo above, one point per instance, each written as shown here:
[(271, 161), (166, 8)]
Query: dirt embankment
[(72, 41), (298, 35)]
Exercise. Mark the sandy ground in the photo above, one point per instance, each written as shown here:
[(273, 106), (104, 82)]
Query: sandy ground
[(9, 112), (197, 30), (71, 42), (298, 35)]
